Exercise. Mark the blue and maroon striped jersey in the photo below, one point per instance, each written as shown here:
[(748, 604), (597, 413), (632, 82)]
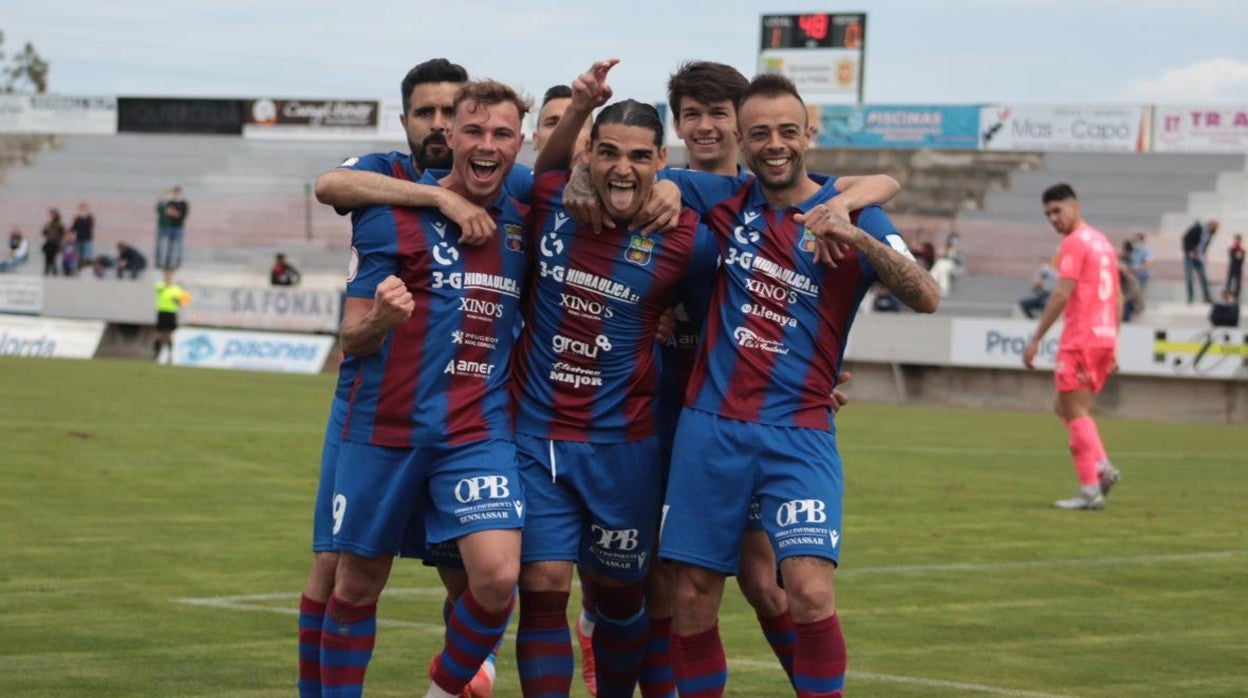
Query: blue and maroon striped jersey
[(441, 377), (519, 181), (778, 323), (587, 364)]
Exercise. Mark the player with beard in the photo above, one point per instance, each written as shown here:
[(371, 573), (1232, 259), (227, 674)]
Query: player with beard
[(758, 407), (431, 321)]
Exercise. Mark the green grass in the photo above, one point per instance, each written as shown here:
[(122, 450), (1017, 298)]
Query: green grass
[(127, 486)]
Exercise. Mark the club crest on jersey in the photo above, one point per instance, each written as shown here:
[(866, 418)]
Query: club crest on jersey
[(808, 242), (515, 237), (639, 249)]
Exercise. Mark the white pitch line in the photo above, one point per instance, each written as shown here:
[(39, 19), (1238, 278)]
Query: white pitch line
[(249, 603), (1076, 562), (912, 680), (1119, 455)]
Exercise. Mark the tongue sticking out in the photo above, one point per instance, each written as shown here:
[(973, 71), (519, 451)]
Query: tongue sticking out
[(622, 199)]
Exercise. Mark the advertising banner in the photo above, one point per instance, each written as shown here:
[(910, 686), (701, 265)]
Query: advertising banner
[(1065, 129), (1208, 129), (1190, 352), (57, 114), (48, 338), (179, 115), (21, 294), (250, 351), (263, 308), (311, 118), (899, 126)]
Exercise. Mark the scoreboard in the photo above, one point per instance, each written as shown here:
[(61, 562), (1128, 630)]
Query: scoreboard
[(822, 53)]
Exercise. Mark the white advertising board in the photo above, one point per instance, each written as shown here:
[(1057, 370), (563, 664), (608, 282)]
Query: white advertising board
[(263, 308), (1200, 129), (57, 114), (48, 338), (250, 351), (21, 294), (1065, 128)]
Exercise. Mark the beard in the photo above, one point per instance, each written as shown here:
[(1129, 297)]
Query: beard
[(776, 183), (425, 159)]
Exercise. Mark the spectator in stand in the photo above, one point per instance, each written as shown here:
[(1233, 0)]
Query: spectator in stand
[(69, 254), (953, 250), (1132, 293), (282, 273), (83, 228), (1235, 267), (1042, 285), (1226, 312), (130, 262), (923, 250), (53, 234), (1195, 243), (1141, 261), (171, 212), (17, 252)]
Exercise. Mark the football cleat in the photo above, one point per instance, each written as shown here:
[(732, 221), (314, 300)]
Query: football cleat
[(1082, 501), (481, 685), (1108, 478)]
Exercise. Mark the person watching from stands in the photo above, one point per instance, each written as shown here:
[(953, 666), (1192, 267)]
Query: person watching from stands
[(1225, 313), (130, 262), (53, 233), (171, 212), (1141, 261), (1042, 285), (1235, 267), (1195, 243), (17, 252), (83, 228), (282, 273), (69, 254)]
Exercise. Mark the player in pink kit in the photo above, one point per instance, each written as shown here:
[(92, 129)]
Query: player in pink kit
[(1090, 302)]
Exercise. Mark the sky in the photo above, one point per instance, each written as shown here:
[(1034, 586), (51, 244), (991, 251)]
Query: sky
[(917, 51)]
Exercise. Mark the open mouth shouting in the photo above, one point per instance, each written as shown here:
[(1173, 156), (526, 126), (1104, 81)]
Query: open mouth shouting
[(621, 194), (483, 169)]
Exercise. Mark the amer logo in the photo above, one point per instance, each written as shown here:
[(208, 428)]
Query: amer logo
[(744, 235), (471, 489), (550, 245), (624, 539), (445, 254), (801, 511)]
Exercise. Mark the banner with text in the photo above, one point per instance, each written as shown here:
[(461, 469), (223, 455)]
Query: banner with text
[(21, 294), (179, 115), (1218, 353), (57, 114), (898, 126), (1208, 129), (311, 118), (263, 308), (250, 351), (48, 338), (1065, 128)]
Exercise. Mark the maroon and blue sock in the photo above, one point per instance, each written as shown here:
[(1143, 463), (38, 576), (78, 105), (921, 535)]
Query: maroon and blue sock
[(544, 644), (471, 633), (781, 634), (619, 649), (589, 608), (700, 664), (819, 659), (311, 618), (657, 679), (347, 640)]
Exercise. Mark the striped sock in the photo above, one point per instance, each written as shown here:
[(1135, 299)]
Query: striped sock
[(544, 645), (347, 640), (700, 664), (780, 634), (311, 618), (589, 607), (819, 659), (619, 649), (657, 679), (471, 633)]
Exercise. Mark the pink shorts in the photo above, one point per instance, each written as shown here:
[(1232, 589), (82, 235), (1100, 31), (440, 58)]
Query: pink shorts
[(1084, 369)]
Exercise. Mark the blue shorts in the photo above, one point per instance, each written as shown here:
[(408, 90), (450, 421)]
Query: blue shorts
[(753, 521), (323, 512), (415, 547), (720, 464), (455, 490), (593, 503)]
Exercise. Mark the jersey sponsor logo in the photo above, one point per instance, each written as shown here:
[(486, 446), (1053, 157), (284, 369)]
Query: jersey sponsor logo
[(550, 245), (353, 264), (515, 237), (749, 216), (639, 250), (473, 369), (474, 340), (766, 291), (745, 235), (445, 254), (585, 307), (575, 376), (896, 242), (623, 539), (476, 280), (766, 313), (560, 219), (481, 308), (602, 286), (747, 339), (439, 227), (472, 489), (578, 347), (795, 511)]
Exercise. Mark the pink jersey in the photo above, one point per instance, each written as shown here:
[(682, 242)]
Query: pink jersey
[(1091, 317)]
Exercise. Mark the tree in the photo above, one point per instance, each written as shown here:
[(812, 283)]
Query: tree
[(26, 71)]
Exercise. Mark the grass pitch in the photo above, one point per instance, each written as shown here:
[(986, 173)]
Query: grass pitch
[(156, 527)]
